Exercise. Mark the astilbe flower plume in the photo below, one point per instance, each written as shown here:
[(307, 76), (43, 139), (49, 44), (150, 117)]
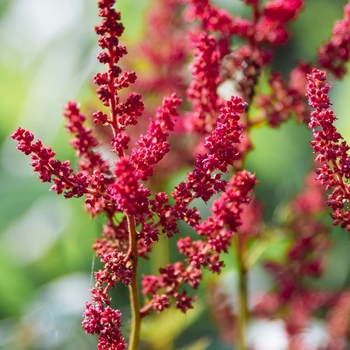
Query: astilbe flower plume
[(216, 62), (50, 169), (335, 53), (284, 101), (297, 302), (137, 212), (331, 149), (120, 188), (291, 299), (202, 91), (203, 182), (167, 51)]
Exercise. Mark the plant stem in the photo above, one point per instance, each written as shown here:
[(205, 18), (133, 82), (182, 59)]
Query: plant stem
[(133, 290), (242, 317)]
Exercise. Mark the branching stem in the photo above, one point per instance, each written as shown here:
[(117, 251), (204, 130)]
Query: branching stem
[(242, 317), (133, 290)]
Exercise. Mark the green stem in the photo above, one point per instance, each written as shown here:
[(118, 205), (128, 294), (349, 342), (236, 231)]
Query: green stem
[(133, 290), (242, 317)]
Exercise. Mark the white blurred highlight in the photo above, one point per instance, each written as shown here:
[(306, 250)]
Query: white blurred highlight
[(37, 230)]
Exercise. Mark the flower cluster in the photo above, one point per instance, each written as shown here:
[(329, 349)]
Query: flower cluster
[(293, 300), (297, 302), (103, 320), (284, 101), (49, 168), (212, 134), (120, 189), (217, 232), (167, 52), (335, 53), (331, 149), (203, 182), (202, 91)]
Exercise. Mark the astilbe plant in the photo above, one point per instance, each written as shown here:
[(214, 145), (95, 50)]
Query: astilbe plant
[(136, 215)]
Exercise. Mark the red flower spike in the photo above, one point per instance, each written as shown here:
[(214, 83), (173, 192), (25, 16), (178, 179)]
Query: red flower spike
[(216, 19), (331, 149), (134, 219), (165, 49), (106, 322), (183, 302), (154, 145), (83, 141), (335, 53), (283, 101), (202, 253), (160, 302), (227, 211), (202, 91), (110, 82), (130, 110), (283, 11), (221, 153), (126, 192), (51, 169)]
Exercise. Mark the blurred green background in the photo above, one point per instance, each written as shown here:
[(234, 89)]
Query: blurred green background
[(47, 56)]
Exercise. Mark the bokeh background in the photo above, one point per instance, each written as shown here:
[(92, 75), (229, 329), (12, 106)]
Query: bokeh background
[(47, 57)]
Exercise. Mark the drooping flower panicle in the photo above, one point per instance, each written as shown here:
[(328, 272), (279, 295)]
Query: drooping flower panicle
[(331, 149), (335, 53), (129, 191)]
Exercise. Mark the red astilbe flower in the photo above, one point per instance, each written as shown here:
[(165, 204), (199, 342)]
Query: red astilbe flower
[(101, 319), (154, 145), (227, 212), (216, 19), (296, 302), (122, 114), (126, 194), (266, 30), (202, 91), (221, 152), (276, 14), (268, 25), (331, 149), (90, 161), (217, 232), (106, 191), (285, 99), (335, 53), (51, 169), (135, 216), (165, 49), (292, 299)]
